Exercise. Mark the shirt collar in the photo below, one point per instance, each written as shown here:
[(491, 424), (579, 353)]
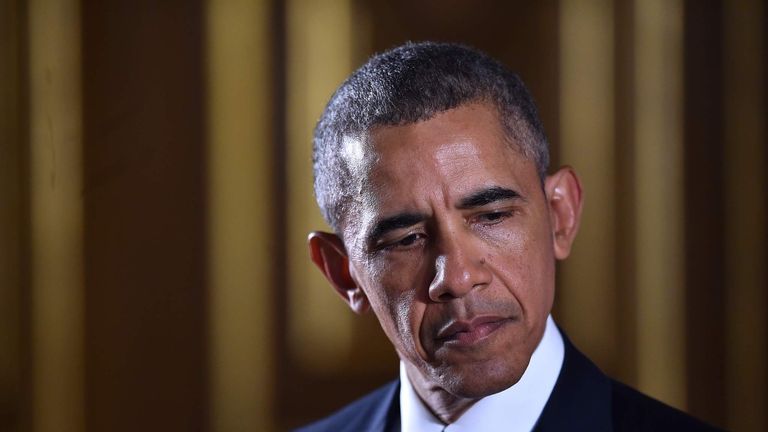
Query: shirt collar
[(514, 409)]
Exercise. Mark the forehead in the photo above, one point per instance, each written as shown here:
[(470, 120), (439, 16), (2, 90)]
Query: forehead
[(398, 168), (468, 133)]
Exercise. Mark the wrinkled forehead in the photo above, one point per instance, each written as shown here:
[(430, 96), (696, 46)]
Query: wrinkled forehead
[(379, 162), (447, 134), (395, 168)]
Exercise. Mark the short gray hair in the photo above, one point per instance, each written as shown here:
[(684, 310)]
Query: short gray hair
[(412, 83)]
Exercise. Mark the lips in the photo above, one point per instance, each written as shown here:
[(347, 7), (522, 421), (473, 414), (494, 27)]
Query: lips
[(470, 332)]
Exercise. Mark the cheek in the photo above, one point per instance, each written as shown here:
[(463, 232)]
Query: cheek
[(541, 274), (394, 294), (526, 263)]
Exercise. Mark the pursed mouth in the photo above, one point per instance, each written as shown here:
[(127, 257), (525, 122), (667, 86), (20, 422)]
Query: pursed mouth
[(469, 332)]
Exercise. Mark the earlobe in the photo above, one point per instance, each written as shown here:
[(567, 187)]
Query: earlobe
[(564, 198), (329, 255)]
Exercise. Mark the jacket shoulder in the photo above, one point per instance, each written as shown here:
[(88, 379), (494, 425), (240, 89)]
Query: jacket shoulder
[(634, 411), (370, 413)]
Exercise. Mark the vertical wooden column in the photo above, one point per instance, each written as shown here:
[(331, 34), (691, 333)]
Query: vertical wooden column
[(588, 292), (745, 215), (240, 229), (704, 209), (319, 44), (13, 215), (626, 234), (56, 219), (145, 210), (659, 209)]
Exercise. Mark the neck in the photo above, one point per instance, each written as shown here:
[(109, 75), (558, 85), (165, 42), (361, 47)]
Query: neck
[(445, 406)]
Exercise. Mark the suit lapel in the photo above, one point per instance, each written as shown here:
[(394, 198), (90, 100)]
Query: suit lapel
[(386, 416), (390, 412), (581, 399)]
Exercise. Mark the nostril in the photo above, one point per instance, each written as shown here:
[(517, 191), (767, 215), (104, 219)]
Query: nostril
[(446, 296)]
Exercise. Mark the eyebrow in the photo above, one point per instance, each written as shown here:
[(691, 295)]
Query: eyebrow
[(488, 196), (401, 220)]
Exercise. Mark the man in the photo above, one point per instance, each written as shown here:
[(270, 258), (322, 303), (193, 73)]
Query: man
[(431, 167)]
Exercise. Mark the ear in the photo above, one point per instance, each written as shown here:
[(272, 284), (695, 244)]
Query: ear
[(329, 255), (564, 198)]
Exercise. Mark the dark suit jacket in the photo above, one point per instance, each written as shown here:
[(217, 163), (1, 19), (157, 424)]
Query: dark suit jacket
[(584, 399)]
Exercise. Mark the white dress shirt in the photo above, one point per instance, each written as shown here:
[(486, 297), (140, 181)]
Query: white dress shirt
[(514, 409)]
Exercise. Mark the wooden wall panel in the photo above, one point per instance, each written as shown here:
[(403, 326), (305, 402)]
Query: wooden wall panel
[(145, 228), (744, 166), (14, 235), (625, 194), (56, 216), (587, 294), (242, 234), (659, 207), (704, 200)]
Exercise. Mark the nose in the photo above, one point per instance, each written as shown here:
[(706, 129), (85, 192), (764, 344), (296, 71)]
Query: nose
[(459, 268)]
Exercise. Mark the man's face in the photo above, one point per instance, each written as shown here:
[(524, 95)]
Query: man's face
[(451, 244)]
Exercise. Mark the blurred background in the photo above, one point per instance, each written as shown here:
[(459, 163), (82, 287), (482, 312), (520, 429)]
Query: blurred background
[(155, 197)]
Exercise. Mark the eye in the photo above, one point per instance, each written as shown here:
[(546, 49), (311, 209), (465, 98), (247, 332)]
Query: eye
[(406, 242), (494, 217)]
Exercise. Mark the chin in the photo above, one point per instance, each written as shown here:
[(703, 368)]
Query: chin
[(479, 381)]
